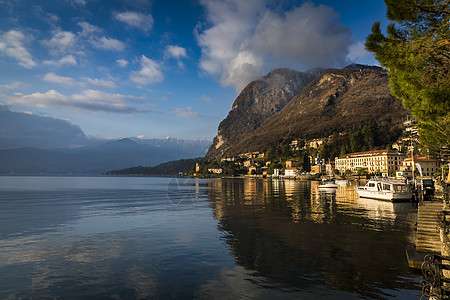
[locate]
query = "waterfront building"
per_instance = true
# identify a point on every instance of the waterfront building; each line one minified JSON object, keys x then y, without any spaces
{"x":276,"y":172}
{"x":290,"y":172}
{"x":428,"y":167}
{"x":290,"y":163}
{"x":215,"y":171}
{"x":329,"y":167}
{"x":249,"y":163}
{"x":384,"y":161}
{"x":317,"y":169}
{"x":253,"y":170}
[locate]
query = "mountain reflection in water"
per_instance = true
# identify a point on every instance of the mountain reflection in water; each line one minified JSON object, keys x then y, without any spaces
{"x":172,"y":238}
{"x":298,"y":237}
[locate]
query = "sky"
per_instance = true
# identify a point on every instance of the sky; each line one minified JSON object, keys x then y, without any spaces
{"x":157,"y":68}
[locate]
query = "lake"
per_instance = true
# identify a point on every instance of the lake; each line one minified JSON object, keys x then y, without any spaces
{"x":183,"y":238}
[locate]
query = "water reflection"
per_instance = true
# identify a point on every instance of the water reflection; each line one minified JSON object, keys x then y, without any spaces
{"x":297,"y":236}
{"x":185,"y":238}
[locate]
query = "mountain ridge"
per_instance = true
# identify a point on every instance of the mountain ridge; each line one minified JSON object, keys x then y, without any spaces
{"x":259,"y":100}
{"x":333,"y":102}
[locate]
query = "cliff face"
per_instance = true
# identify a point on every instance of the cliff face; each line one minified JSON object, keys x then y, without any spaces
{"x":333,"y":102}
{"x":258,"y":101}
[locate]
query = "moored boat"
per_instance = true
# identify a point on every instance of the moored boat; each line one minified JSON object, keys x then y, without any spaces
{"x":327,"y":185}
{"x":388,"y":190}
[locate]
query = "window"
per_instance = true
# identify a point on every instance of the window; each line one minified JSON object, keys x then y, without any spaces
{"x":400,"y":187}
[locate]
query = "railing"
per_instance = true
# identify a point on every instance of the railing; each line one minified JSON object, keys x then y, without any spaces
{"x":435,"y":285}
{"x":444,"y":220}
{"x":446,"y":194}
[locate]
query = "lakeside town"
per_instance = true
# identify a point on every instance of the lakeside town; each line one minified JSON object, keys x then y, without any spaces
{"x":405,"y":159}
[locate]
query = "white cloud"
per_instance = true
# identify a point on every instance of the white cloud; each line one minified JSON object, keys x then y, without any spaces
{"x":122,"y":63}
{"x":105,"y":43}
{"x":99,"y":82}
{"x":88,"y":29}
{"x":52,"y":77}
{"x":149,"y":73}
{"x":93,"y":35}
{"x":66,"y":60}
{"x":39,"y":99}
{"x":246,"y":39}
{"x":310,"y":35}
{"x":175,"y":51}
{"x":358,"y":54}
{"x":89,"y":100}
{"x":184,"y":112}
{"x":135,"y":19}
{"x":61,"y":42}
{"x":11,"y":86}
{"x":68,"y":42}
{"x":12,"y":43}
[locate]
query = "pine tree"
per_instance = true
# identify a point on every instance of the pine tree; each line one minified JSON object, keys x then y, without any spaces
{"x":416,"y":52}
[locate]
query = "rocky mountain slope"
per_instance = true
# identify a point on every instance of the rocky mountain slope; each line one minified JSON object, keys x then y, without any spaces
{"x":258,"y":101}
{"x":333,"y":102}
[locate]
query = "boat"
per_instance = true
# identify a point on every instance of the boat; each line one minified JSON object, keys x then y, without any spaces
{"x":327,"y":185}
{"x":389,"y":190}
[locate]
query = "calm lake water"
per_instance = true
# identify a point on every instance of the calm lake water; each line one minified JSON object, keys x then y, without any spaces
{"x":169,"y":238}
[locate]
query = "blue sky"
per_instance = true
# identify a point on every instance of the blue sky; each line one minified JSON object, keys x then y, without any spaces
{"x":156,"y":68}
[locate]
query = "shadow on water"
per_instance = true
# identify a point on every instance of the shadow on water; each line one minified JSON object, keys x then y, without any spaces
{"x":296,"y":236}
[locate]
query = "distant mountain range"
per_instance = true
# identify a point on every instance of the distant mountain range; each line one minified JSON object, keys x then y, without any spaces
{"x":101,"y":158}
{"x":319,"y":104}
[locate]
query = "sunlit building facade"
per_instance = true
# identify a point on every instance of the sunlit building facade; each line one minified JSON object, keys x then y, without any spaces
{"x":384,"y":161}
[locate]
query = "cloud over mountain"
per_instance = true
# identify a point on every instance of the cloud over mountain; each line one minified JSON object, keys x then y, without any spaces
{"x":19,"y":129}
{"x":244,"y":39}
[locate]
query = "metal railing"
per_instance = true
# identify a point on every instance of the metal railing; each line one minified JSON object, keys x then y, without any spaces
{"x":435,"y":285}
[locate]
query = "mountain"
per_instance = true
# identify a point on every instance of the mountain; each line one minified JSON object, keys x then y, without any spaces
{"x":258,"y":101}
{"x":335,"y":101}
{"x":193,"y":147}
{"x":98,"y":159}
{"x":171,"y":168}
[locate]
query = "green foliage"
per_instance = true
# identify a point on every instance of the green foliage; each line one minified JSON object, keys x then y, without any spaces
{"x":362,"y":172}
{"x":362,"y":137}
{"x":416,"y":51}
{"x":306,"y":163}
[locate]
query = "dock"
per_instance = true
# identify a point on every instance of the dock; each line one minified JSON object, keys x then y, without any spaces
{"x":428,"y":237}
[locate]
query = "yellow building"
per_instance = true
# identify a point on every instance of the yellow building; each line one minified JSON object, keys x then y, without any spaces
{"x":384,"y":161}
{"x":428,"y":166}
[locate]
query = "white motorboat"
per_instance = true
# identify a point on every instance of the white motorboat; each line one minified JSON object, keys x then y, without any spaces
{"x":388,"y":190}
{"x":327,"y":185}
